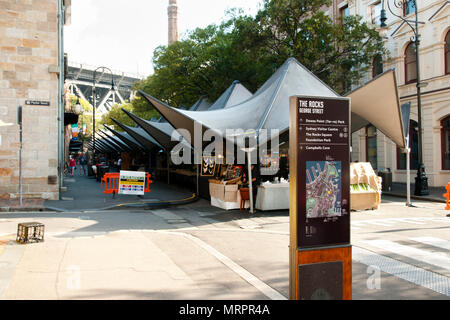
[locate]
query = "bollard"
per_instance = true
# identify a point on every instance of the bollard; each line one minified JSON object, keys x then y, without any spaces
{"x":447,"y":196}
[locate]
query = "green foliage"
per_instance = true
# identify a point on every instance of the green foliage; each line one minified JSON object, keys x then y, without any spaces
{"x":250,"y":49}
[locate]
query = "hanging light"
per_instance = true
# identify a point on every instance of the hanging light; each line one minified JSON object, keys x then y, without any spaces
{"x":77,"y":108}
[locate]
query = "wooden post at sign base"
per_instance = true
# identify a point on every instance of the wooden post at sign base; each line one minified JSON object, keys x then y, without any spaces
{"x":320,"y":254}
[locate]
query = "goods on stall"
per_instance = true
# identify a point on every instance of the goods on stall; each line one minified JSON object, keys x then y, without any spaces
{"x":365,"y":187}
{"x":225,"y":194}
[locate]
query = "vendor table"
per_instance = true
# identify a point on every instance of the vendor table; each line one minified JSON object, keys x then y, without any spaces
{"x":273,"y":196}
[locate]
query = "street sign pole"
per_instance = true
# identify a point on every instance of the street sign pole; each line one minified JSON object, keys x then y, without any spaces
{"x":320,"y":258}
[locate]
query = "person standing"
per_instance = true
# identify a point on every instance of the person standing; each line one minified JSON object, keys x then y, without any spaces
{"x":83,"y":165}
{"x":72,"y":165}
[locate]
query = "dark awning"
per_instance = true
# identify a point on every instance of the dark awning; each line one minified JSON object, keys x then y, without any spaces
{"x":140,"y":135}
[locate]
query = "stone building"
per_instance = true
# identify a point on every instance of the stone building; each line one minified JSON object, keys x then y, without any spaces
{"x":369,"y":144}
{"x":30,"y":70}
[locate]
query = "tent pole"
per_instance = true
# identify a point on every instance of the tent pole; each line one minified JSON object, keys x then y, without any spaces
{"x":168,"y":169}
{"x":408,"y":178}
{"x":197,"y":178}
{"x":250,"y":184}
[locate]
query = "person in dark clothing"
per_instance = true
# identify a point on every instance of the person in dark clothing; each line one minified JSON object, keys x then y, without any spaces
{"x":256,"y":179}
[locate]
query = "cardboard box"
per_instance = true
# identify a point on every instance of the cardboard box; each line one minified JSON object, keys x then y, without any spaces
{"x":227,"y":193}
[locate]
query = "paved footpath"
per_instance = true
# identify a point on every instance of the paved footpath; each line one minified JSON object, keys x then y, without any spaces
{"x":199,"y":252}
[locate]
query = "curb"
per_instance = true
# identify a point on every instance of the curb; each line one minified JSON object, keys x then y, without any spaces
{"x":400,"y":195}
{"x":16,"y":209}
{"x":142,"y":205}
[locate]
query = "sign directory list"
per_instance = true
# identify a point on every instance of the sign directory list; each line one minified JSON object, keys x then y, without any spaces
{"x":323,"y":181}
{"x":132,"y":182}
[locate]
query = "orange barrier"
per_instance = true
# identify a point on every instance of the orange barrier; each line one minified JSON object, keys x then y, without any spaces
{"x":112,"y":179}
{"x":447,"y":196}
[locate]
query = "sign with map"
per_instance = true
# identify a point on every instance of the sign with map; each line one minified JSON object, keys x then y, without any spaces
{"x":323,"y":172}
{"x":323,"y":189}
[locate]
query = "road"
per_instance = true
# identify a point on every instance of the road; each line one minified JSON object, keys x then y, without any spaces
{"x":199,"y":252}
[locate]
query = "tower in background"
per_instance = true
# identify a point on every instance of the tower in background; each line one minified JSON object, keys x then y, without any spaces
{"x":172,"y":11}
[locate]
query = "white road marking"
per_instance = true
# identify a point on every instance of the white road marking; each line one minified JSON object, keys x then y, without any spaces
{"x":435,"y":242}
{"x":407,"y":220}
{"x":417,"y":254}
{"x":243,"y":273}
{"x":379,"y":223}
{"x":418,"y":276}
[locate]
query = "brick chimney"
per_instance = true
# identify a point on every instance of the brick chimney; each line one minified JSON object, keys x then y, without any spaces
{"x":172,"y":11}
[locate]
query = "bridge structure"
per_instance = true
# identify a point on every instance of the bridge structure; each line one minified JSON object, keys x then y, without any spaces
{"x":79,"y":81}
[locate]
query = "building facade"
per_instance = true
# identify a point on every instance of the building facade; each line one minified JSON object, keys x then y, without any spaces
{"x":30,"y":71}
{"x":369,"y":144}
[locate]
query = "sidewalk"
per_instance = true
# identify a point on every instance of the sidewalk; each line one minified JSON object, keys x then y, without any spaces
{"x":85,"y":193}
{"x":399,"y":190}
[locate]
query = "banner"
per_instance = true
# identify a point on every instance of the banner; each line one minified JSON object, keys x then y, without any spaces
{"x":75,"y":130}
{"x":132,"y":182}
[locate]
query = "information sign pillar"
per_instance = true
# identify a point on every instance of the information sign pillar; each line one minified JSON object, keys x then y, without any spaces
{"x":319,"y":162}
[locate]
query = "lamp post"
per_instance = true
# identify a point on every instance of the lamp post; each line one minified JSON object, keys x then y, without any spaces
{"x":421,"y":183}
{"x":94,"y":102}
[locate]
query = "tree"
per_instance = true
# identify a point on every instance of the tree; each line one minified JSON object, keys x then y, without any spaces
{"x":117,"y":113}
{"x":250,"y":49}
{"x":338,"y":53}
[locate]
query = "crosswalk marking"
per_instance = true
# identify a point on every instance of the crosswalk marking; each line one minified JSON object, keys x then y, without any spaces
{"x":408,"y":220}
{"x":377,"y":223}
{"x":429,"y":257}
{"x":421,"y":277}
{"x":435,"y":242}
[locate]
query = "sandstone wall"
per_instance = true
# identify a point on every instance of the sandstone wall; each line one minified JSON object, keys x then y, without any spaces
{"x":28,"y":59}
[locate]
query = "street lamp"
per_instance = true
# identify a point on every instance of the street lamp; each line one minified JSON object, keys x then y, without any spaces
{"x":421,"y":185}
{"x":94,"y":102}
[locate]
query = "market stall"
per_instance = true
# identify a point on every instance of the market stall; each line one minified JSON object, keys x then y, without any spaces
{"x":365,"y":187}
{"x":273,"y":196}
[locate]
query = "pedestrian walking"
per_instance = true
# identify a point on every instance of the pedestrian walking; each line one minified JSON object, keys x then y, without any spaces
{"x":72,"y":165}
{"x":83,"y":165}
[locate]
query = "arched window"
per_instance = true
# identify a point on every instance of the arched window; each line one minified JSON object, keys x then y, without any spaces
{"x":447,"y":53}
{"x":377,"y":66}
{"x":445,"y":142}
{"x":410,"y":63}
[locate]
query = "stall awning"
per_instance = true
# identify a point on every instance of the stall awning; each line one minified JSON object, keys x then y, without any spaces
{"x":127,"y":139}
{"x":141,"y":136}
{"x":377,"y":103}
{"x":268,"y":108}
{"x":165,"y":133}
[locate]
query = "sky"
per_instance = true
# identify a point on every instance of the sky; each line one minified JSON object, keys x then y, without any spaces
{"x":122,"y":34}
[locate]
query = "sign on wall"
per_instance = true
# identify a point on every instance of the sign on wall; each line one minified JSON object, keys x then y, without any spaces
{"x":323,"y":171}
{"x":132,"y":182}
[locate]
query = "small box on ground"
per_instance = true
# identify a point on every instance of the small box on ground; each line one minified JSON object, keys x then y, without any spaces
{"x":30,"y":232}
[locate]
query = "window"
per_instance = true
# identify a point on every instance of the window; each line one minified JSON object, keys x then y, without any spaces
{"x":445,"y":140}
{"x":447,"y":53}
{"x":408,"y":7}
{"x":414,"y":145}
{"x":410,"y":63}
{"x":371,"y":146}
{"x":344,"y":12}
{"x":377,"y":65}
{"x":375,"y":12}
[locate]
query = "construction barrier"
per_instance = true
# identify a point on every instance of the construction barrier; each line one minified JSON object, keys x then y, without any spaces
{"x":447,"y":196}
{"x":112,"y":179}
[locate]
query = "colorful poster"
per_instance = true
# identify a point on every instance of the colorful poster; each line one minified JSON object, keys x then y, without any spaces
{"x":132,"y":182}
{"x":75,"y":130}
